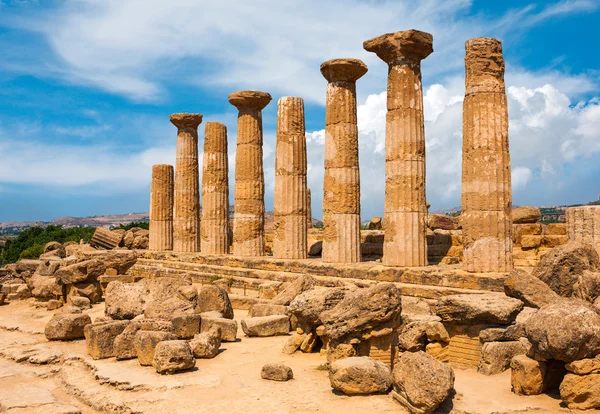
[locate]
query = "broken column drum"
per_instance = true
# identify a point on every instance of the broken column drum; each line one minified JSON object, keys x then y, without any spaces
{"x":214,"y":227}
{"x":486,"y":180}
{"x":290,"y":200}
{"x":405,"y":208}
{"x":341,"y":184}
{"x":186,"y":220}
{"x":161,"y":208}
{"x":249,"y":205}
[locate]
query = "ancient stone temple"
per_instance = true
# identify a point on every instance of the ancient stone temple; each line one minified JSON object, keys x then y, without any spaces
{"x":308,"y":208}
{"x":341,"y":184}
{"x":583,"y":225}
{"x":214,"y":227}
{"x":405,"y":207}
{"x":249,"y":209}
{"x":186,"y":220}
{"x":161,"y":208}
{"x":289,"y":240}
{"x":486,"y":180}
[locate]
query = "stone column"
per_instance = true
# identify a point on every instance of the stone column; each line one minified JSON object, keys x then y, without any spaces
{"x":249,"y":209}
{"x":214,"y":227}
{"x":186,"y":222}
{"x":161,"y":208}
{"x":308,"y":209}
{"x":583,"y":225}
{"x":405,"y":209}
{"x":341,"y":185}
{"x":486,"y":181}
{"x":289,"y":240}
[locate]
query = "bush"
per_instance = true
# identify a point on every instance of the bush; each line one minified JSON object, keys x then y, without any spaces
{"x":141,"y":224}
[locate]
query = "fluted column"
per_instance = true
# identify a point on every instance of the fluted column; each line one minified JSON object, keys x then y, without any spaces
{"x":486,"y":180}
{"x":214,"y":227}
{"x":308,"y":209}
{"x":341,"y":185}
{"x":249,"y":209}
{"x":161,"y":208}
{"x":289,"y":240}
{"x":583,"y":225}
{"x":405,"y":209}
{"x":186,"y":222}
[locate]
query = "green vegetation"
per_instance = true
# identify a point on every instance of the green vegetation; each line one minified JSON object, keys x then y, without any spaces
{"x":30,"y":243}
{"x":322,"y":367}
{"x":141,"y":224}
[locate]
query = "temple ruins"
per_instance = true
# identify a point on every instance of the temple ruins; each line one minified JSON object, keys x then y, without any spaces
{"x":420,"y":312}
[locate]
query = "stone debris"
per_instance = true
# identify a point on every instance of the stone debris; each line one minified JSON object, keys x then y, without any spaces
{"x":527,"y":375}
{"x":276,"y":372}
{"x":488,"y":308}
{"x":421,"y":383}
{"x":496,"y":356}
{"x":360,"y":376}
{"x":206,"y":344}
{"x":214,"y":298}
{"x":185,"y":326}
{"x":266,"y":325}
{"x":100,"y":338}
{"x":145,"y":343}
{"x":66,"y":326}
{"x":124,"y":347}
{"x":106,"y":239}
{"x":228,"y":327}
{"x":526,"y":215}
{"x":529,"y":289}
{"x":173,"y":356}
{"x":288,"y":294}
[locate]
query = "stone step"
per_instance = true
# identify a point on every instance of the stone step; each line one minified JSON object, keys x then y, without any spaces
{"x":438,"y":275}
{"x":253,"y":277}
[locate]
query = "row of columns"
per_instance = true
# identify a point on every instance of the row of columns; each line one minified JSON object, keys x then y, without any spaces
{"x":486,"y":191}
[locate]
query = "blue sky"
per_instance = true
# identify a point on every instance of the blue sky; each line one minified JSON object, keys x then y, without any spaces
{"x":87,"y":86}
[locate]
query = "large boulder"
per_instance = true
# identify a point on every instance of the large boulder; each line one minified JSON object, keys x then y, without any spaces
{"x":527,"y":375}
{"x":214,"y":298}
{"x":66,"y":326}
{"x":85,"y":271}
{"x":567,"y":331}
{"x":360,"y":375}
{"x":526,"y":214}
{"x":207,"y":344}
{"x":100,"y":338}
{"x":363,"y":311}
{"x":496,"y":356}
{"x":307,"y":306}
{"x":228,"y":327}
{"x":266,"y":325}
{"x":473,"y":309}
{"x":55,"y":249}
{"x":128,"y":300}
{"x":562,"y":267}
{"x":173,"y":356}
{"x":529,"y":289}
{"x":421,"y":383}
{"x":168,"y":309}
{"x":276,"y":372}
{"x":581,"y":392}
{"x":301,"y":284}
{"x":266,"y":309}
{"x":44,"y":287}
{"x":145,"y":343}
{"x":124,"y":343}
{"x":186,"y":325}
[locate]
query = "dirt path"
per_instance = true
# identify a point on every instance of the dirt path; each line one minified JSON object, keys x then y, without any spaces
{"x":37,"y":376}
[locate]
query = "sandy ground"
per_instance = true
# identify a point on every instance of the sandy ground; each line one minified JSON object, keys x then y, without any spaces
{"x":71,"y":382}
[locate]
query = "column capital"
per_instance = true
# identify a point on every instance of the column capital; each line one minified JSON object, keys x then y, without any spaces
{"x":409,"y":45}
{"x":343,"y":70}
{"x":185,"y":120}
{"x":484,"y":64}
{"x":250,"y":99}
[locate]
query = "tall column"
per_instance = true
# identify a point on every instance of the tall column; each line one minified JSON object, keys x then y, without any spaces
{"x":405,"y":208}
{"x":486,"y":181}
{"x":214,"y":227}
{"x":186,"y":222}
{"x":308,"y":209}
{"x":583,"y":225}
{"x":161,"y":208}
{"x":249,"y":193}
{"x":341,"y":185}
{"x":289,"y":241}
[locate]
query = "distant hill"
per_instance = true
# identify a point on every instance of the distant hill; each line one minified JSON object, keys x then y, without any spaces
{"x":15,"y":227}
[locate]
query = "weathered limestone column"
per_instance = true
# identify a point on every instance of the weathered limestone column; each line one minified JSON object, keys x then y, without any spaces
{"x":249,"y":209}
{"x":186,"y":222}
{"x":405,"y":208}
{"x":583,"y":225}
{"x":308,"y":209}
{"x":341,"y":185}
{"x":486,"y":181}
{"x":161,"y":208}
{"x":214,"y":227}
{"x":289,"y":241}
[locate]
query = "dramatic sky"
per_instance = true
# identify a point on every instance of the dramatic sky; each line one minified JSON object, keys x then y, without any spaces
{"x":87,"y":86}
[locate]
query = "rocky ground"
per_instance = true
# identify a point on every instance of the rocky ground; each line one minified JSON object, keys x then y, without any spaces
{"x":37,"y":376}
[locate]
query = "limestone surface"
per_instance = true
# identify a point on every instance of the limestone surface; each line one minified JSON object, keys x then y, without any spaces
{"x":486,"y":178}
{"x":173,"y":356}
{"x":583,"y":225}
{"x":276,"y":372}
{"x":161,"y":208}
{"x":100,"y":338}
{"x":213,"y":298}
{"x":527,"y":375}
{"x":360,"y":376}
{"x":469,"y":309}
{"x":207,"y":344}
{"x":266,"y":325}
{"x":66,"y":326}
{"x":341,"y":185}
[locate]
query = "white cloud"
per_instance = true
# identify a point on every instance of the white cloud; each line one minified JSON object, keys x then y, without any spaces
{"x":134,"y":47}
